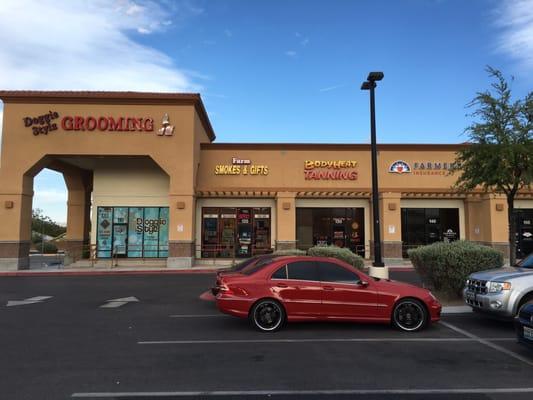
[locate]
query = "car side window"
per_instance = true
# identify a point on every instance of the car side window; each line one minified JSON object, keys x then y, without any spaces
{"x":330,"y":272}
{"x":303,"y":271}
{"x":281,"y":273}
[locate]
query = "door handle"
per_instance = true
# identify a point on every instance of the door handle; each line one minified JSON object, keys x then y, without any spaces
{"x":328,"y":287}
{"x":282,"y":285}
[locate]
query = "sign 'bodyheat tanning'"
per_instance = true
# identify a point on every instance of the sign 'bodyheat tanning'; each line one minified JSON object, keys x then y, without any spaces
{"x":330,"y":170}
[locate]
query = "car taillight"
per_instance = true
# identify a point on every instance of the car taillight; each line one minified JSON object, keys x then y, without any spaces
{"x":237,"y":291}
{"x":223,"y":288}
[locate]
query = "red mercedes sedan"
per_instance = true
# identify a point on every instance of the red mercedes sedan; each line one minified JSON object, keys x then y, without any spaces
{"x":306,"y":288}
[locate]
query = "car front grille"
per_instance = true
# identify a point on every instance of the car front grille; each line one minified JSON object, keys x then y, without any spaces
{"x":477,"y":286}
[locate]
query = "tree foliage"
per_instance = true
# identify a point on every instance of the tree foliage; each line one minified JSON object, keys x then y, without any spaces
{"x":41,"y":223}
{"x":499,"y":157}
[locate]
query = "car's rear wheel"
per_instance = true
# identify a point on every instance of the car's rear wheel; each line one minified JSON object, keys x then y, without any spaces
{"x":267,"y":315}
{"x":409,"y":315}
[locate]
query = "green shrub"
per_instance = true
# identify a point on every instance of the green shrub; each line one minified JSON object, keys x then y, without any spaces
{"x":290,"y":252}
{"x":343,"y":254}
{"x":47,"y":248}
{"x":445,"y":266}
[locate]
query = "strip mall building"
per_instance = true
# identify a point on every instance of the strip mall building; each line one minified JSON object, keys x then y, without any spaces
{"x":145,"y":180}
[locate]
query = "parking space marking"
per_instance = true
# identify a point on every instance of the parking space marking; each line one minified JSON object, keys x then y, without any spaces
{"x":197,"y":315}
{"x":488,"y":343}
{"x":326,"y":392}
{"x":332,"y":340}
{"x":31,"y":300}
{"x":114,"y":303}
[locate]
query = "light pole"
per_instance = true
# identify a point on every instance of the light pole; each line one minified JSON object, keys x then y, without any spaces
{"x":379,"y":270}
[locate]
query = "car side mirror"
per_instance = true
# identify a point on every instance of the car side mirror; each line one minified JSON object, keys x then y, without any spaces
{"x":363,"y":283}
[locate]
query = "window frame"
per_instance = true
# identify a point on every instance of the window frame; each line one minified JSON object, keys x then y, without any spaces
{"x":358,"y":283}
{"x":277,"y":269}
{"x":304,"y":280}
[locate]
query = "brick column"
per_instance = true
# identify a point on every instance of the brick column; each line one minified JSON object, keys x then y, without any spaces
{"x":286,"y":221}
{"x":79,"y":187}
{"x":494,"y":228}
{"x":181,"y":231}
{"x":15,"y":214}
{"x":391,"y":225}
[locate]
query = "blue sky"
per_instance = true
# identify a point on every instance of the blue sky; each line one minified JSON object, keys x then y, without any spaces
{"x":275,"y":71}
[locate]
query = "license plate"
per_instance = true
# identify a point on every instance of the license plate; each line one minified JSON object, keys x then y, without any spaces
{"x":528,"y":333}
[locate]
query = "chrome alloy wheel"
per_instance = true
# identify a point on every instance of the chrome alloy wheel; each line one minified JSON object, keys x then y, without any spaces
{"x":409,"y":315}
{"x":267,"y":315}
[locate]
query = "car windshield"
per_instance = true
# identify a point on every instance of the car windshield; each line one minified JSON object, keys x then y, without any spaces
{"x":526,"y":262}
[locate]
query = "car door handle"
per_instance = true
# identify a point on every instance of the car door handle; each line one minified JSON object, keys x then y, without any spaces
{"x":282,"y":285}
{"x":328,"y":287}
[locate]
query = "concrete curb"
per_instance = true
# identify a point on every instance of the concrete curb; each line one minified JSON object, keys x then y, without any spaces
{"x":108,"y":272}
{"x":456,"y":310}
{"x":134,"y":271}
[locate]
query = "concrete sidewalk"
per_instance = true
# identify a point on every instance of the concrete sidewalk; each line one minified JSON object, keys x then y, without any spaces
{"x":140,"y":269}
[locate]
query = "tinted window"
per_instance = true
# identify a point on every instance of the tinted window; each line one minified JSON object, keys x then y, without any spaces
{"x":243,"y":264}
{"x":253,"y":268}
{"x":330,"y":272}
{"x":280,"y":273}
{"x":303,"y":270}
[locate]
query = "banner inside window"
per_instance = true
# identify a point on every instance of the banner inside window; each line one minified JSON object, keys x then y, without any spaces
{"x":133,"y":232}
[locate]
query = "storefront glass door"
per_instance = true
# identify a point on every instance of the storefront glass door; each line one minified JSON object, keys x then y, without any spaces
{"x":341,"y":227}
{"x":235,"y":232}
{"x":524,"y":232}
{"x":132,"y":232}
{"x":422,"y":226}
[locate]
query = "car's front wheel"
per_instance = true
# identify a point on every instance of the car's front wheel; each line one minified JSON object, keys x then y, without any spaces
{"x":409,"y":315}
{"x":267,"y":315}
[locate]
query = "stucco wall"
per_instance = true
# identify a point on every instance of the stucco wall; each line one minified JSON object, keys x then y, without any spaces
{"x":127,"y":183}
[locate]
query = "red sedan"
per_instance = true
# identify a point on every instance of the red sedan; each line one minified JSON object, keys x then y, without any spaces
{"x":321,"y":289}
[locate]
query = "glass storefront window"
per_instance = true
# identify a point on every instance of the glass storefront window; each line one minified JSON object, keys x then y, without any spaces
{"x":524,"y":231}
{"x":132,"y":232}
{"x":135,"y":232}
{"x":104,"y":232}
{"x":422,"y":226}
{"x":341,"y":227}
{"x":235,"y":232}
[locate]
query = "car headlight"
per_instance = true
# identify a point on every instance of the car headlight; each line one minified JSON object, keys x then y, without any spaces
{"x":497,"y":287}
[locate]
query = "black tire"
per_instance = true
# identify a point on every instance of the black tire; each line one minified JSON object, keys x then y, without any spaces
{"x":527,"y":299}
{"x":409,"y":315}
{"x":267,"y":315}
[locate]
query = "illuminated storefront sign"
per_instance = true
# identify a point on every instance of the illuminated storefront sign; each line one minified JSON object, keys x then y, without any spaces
{"x":399,"y":167}
{"x":330,"y":170}
{"x":421,"y":168}
{"x":111,"y":124}
{"x":241,"y":167}
{"x":43,"y":124}
{"x":432,"y":168}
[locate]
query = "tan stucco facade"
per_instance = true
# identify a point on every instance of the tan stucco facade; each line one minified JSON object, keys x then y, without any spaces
{"x":145,"y":165}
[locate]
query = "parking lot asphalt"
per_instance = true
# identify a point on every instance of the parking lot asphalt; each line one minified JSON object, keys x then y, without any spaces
{"x":59,"y":343}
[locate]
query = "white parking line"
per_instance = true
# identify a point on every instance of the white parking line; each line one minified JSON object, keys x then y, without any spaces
{"x":197,"y":315}
{"x":456,"y":310}
{"x":487,"y":342}
{"x":303,"y":392}
{"x":332,"y":340}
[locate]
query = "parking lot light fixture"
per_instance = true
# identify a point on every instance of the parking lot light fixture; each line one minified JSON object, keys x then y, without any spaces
{"x":378,"y":268}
